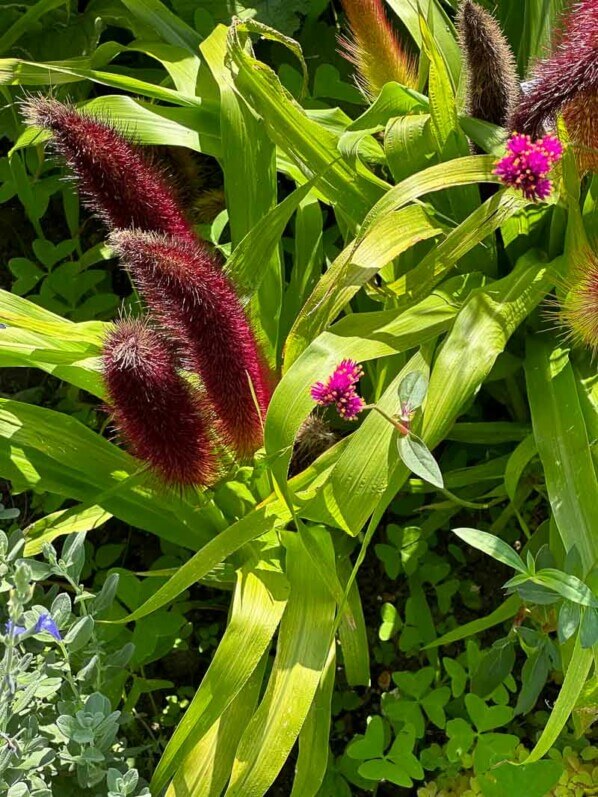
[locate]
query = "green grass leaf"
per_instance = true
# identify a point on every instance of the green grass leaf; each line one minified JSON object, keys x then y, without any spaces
{"x":493,"y":546}
{"x":301,"y":658}
{"x":258,"y":603}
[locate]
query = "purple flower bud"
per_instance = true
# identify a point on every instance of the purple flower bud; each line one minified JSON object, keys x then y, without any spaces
{"x":46,"y":623}
{"x":15,"y":630}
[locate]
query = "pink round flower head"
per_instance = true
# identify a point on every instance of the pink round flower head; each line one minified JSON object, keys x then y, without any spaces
{"x":552,"y":148}
{"x":527,"y":164}
{"x":339,"y":389}
{"x":518,"y":144}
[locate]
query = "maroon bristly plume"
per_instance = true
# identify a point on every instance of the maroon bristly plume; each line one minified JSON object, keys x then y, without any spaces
{"x":197,"y":305}
{"x":571,"y":71}
{"x":159,"y":414}
{"x":116,"y":180}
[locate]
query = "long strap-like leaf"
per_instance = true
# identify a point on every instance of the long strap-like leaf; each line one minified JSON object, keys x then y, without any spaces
{"x":302,"y":652}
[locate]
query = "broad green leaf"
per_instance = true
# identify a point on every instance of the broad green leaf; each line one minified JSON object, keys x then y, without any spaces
{"x":46,"y":450}
{"x":361,"y":337}
{"x":258,"y":603}
{"x":533,"y":679}
{"x":312,"y":760}
{"x":417,"y":457}
{"x":479,"y":335}
{"x":443,"y":109}
{"x":518,"y":461}
{"x":529,"y":780}
{"x":575,"y":678}
{"x":372,"y":744}
{"x":412,"y":390}
{"x":484,"y":717}
{"x":570,"y":587}
{"x":302,"y":652}
{"x":488,"y":433}
{"x":353,"y":637}
{"x":562,"y":439}
{"x":394,"y":100}
{"x":65,"y":521}
{"x":16,"y":72}
{"x":247,"y":264}
{"x":588,"y":631}
{"x":493,"y":546}
{"x":147,"y":123}
{"x":167,"y":25}
{"x":307,"y":261}
{"x":206,"y":770}
{"x":64,"y":357}
{"x":15,"y":311}
{"x":408,"y":145}
{"x":473,"y":231}
{"x":568,"y":623}
{"x":353,"y":268}
{"x":492,"y":670}
{"x":458,"y":172}
{"x":311,"y":147}
{"x":26,"y":21}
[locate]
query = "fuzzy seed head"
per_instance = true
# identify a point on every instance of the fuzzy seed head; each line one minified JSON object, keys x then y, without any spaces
{"x":579,"y":311}
{"x":313,"y":438}
{"x":197,"y":306}
{"x":116,"y":180}
{"x":492,"y":81}
{"x":581,"y":119}
{"x":158,"y":413}
{"x":571,"y":71}
{"x":375,"y":49}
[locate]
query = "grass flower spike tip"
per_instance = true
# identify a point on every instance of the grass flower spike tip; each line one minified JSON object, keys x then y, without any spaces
{"x":566,"y":81}
{"x":116,"y":180}
{"x":527,"y":164}
{"x":197,"y":306}
{"x":157,"y":412}
{"x":579,"y":310}
{"x":492,"y":80}
{"x":339,"y":390}
{"x":375,"y":49}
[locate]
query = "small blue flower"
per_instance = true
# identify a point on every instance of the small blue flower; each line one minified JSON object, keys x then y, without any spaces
{"x":46,"y":623}
{"x":15,"y":630}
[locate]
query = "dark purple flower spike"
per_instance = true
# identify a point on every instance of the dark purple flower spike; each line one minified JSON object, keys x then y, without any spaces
{"x":115,"y":178}
{"x":197,"y":306}
{"x":159,"y":414}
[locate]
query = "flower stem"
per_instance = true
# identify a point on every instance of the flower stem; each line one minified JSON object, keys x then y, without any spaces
{"x":400,"y":427}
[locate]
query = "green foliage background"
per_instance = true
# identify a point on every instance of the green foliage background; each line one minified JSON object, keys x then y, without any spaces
{"x":350,"y":231}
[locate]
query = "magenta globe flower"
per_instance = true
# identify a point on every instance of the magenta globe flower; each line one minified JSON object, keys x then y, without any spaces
{"x":339,"y":389}
{"x":527,"y":164}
